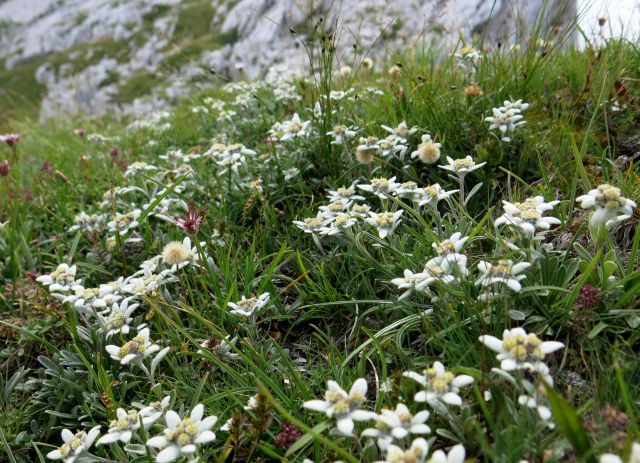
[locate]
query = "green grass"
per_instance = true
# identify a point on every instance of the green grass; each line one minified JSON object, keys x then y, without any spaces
{"x":20,"y":92}
{"x":334,"y":310}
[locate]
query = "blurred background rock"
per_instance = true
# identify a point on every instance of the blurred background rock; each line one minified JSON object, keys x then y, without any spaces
{"x":129,"y":56}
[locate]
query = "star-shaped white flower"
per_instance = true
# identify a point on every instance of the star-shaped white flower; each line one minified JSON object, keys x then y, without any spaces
{"x":519,"y":350}
{"x":440,"y":385}
{"x":249,"y":307}
{"x":396,"y":425}
{"x":528,"y":215}
{"x":502,"y":273}
{"x":61,"y":279}
{"x":124,"y":427}
{"x":342,"y":406}
{"x":182,"y":436}
{"x":76,"y":446}
{"x":385,"y":222}
{"x":610,"y":206}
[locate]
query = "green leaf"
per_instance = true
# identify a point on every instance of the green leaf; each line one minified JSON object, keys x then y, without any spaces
{"x":570,"y":425}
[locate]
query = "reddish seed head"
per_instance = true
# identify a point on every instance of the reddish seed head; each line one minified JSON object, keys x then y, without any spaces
{"x":289,"y":435}
{"x":46,"y":167}
{"x":588,"y":297}
{"x":80,"y":132}
{"x":10,"y":139}
{"x":192,"y":219}
{"x":114,"y":152}
{"x":4,"y":168}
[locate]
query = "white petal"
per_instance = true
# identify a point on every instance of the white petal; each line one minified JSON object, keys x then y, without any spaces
{"x":172,"y":419}
{"x":108,"y":438}
{"x":317,"y":405}
{"x":168,"y":454}
{"x":157,"y":441}
{"x":205,"y":437}
{"x":452,"y":399}
{"x":345,"y":426}
{"x":492,"y":343}
{"x":67,"y":435}
{"x":462,"y":380}
{"x":551,"y":346}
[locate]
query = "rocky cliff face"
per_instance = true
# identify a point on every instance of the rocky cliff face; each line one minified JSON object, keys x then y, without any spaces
{"x":96,"y":56}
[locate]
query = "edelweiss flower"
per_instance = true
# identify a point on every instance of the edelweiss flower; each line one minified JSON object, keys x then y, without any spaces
{"x":441,"y":385}
{"x":367,"y":148}
{"x":506,"y":120}
{"x":385,"y":222}
{"x":456,"y":454}
{"x":435,"y":270}
{"x":154,"y":410}
{"x":610,"y":206}
{"x":340,"y":134}
{"x":517,"y":105}
{"x":461,"y":167}
{"x":75,"y":447}
{"x":334,"y":208}
{"x":339,"y":223}
{"x":427,"y":151}
{"x":249,"y":307}
{"x":290,"y":130}
{"x":122,"y":223}
{"x":61,"y":279}
{"x":503,"y":273}
{"x":518,"y":350}
{"x":137,"y":350}
{"x":124,"y":427}
{"x":345,"y":194}
{"x":408,"y":282}
{"x":433,"y":194}
{"x":182,"y":436}
{"x":360,"y":211}
{"x":137,"y":167}
{"x":117,"y":319}
{"x":410,"y":190}
{"x":87,"y":223}
{"x":401,"y":132}
{"x":381,"y":187}
{"x":417,"y":453}
{"x":449,"y":251}
{"x":528,"y":215}
{"x":177,"y":255}
{"x":468,"y":58}
{"x":147,"y":283}
{"x":88,"y":299}
{"x":397,"y":424}
{"x":392,"y":145}
{"x":311,"y":224}
{"x":222,"y":348}
{"x":342,"y":406}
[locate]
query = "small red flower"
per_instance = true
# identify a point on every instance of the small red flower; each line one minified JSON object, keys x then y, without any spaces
{"x":10,"y":139}
{"x":289,"y":435}
{"x":192,"y":219}
{"x":46,"y":167}
{"x":4,"y":168}
{"x":588,"y":297}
